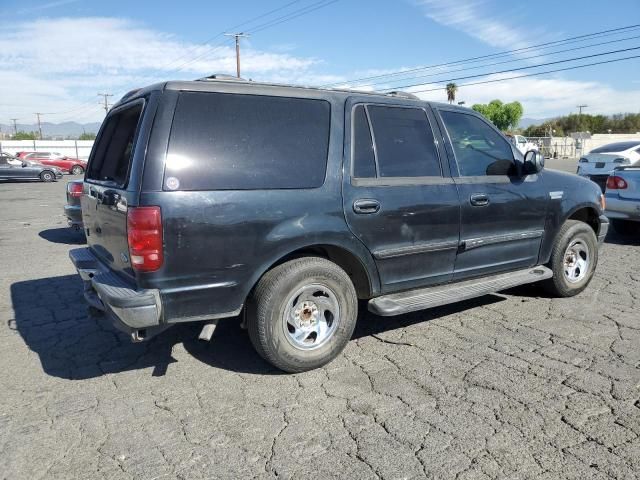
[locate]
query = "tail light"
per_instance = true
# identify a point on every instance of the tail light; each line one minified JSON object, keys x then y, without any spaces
{"x":74,"y":189}
{"x":144,"y":235}
{"x":615,"y":182}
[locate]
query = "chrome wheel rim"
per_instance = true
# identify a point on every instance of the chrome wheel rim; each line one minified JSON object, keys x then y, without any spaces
{"x":311,"y":316}
{"x":47,"y":176}
{"x":576,"y":261}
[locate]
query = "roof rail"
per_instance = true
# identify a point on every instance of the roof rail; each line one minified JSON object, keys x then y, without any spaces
{"x":401,"y":94}
{"x":220,"y":76}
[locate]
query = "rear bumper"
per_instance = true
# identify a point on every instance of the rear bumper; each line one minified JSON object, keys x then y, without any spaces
{"x":132,"y":310}
{"x":604,"y":228}
{"x":74,"y":216}
{"x":622,"y":208}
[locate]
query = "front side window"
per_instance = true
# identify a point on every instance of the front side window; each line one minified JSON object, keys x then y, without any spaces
{"x":479,"y":149}
{"x":222,"y":141}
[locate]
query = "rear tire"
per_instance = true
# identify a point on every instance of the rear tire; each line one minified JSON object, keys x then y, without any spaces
{"x":77,"y":170}
{"x":573,"y":259}
{"x":302,"y":314}
{"x":47,"y":176}
{"x":625,"y":228}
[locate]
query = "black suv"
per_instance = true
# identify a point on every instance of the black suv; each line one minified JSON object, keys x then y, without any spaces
{"x":210,"y":199}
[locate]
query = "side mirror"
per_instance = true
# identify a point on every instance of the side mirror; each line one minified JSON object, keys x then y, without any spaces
{"x":533,"y":162}
{"x":24,"y":164}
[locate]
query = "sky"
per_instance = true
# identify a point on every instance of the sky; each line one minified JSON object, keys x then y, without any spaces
{"x":57,"y":55}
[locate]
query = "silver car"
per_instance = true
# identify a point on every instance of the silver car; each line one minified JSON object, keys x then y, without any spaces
{"x":623,"y":199}
{"x":600,"y":162}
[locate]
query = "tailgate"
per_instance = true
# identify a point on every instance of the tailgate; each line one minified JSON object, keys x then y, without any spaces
{"x":107,"y":192}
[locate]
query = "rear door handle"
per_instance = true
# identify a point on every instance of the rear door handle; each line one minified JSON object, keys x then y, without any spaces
{"x":479,"y":199}
{"x":366,"y":206}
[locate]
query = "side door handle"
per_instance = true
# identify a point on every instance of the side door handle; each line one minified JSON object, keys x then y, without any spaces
{"x":366,"y":206}
{"x":479,"y":199}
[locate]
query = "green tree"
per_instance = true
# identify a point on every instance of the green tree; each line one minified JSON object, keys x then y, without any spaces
{"x":451,"y":90}
{"x":502,"y":115}
{"x":87,"y":136}
{"x":618,"y":123}
{"x":20,"y":135}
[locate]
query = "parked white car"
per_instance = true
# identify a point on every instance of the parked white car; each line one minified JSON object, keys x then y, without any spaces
{"x":522,"y":144}
{"x":600,"y":162}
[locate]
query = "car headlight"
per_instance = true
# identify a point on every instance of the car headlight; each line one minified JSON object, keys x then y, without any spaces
{"x":583,"y":160}
{"x":622,"y":161}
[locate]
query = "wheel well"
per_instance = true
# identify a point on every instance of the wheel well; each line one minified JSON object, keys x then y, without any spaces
{"x":589,"y":216}
{"x":341,"y":257}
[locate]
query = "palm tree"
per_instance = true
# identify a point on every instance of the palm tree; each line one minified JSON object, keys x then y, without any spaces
{"x":451,"y":89}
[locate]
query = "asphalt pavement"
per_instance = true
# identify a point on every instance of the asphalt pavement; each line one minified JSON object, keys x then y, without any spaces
{"x":512,"y":385}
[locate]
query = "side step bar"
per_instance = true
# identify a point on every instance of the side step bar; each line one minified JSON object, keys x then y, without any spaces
{"x":423,"y":298}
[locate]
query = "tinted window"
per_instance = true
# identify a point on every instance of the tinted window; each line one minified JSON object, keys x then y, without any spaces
{"x":225,"y":141}
{"x":479,"y":149}
{"x":114,"y":148}
{"x":404,"y":142}
{"x":615,"y":147}
{"x":364,"y":162}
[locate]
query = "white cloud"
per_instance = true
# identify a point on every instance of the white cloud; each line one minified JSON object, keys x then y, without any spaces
{"x":53,"y":65}
{"x":474,"y":18}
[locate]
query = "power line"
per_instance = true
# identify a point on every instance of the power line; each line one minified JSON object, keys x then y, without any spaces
{"x":519,"y":68}
{"x":575,"y":39}
{"x":502,"y":62}
{"x":292,"y":15}
{"x":575,"y":67}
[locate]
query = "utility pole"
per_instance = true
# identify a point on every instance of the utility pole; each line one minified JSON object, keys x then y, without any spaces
{"x":238,"y":36}
{"x":580,"y":107}
{"x":39,"y":124}
{"x":15,"y":126}
{"x":106,"y":101}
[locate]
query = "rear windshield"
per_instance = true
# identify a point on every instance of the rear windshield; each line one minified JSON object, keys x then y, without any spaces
{"x":615,"y":147}
{"x":225,"y":141}
{"x":111,"y":160}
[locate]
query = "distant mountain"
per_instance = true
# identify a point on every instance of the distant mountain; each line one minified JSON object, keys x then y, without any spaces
{"x":57,"y":130}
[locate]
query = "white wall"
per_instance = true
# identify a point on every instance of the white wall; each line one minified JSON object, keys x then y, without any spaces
{"x":69,"y":148}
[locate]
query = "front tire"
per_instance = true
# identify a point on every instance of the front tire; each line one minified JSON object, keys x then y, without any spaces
{"x":573,"y":259}
{"x":77,"y":170}
{"x":302,"y":314}
{"x":47,"y":177}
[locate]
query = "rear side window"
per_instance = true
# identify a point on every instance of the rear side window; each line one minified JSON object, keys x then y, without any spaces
{"x":364,"y":161}
{"x":111,"y":160}
{"x":404,"y":142}
{"x":225,"y":141}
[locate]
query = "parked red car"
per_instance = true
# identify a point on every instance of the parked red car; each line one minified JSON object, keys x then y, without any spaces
{"x":74,"y":166}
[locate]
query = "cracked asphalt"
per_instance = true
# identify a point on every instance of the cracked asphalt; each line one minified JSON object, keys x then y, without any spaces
{"x":512,"y":385}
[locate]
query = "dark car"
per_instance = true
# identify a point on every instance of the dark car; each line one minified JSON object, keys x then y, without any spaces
{"x":210,"y":198}
{"x":70,"y":165}
{"x":27,"y":171}
{"x":72,"y":209}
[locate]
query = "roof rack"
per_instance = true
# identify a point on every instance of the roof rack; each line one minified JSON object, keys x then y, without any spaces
{"x":401,"y":94}
{"x":220,"y":76}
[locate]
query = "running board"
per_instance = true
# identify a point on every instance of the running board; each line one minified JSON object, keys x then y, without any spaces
{"x":423,"y":298}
